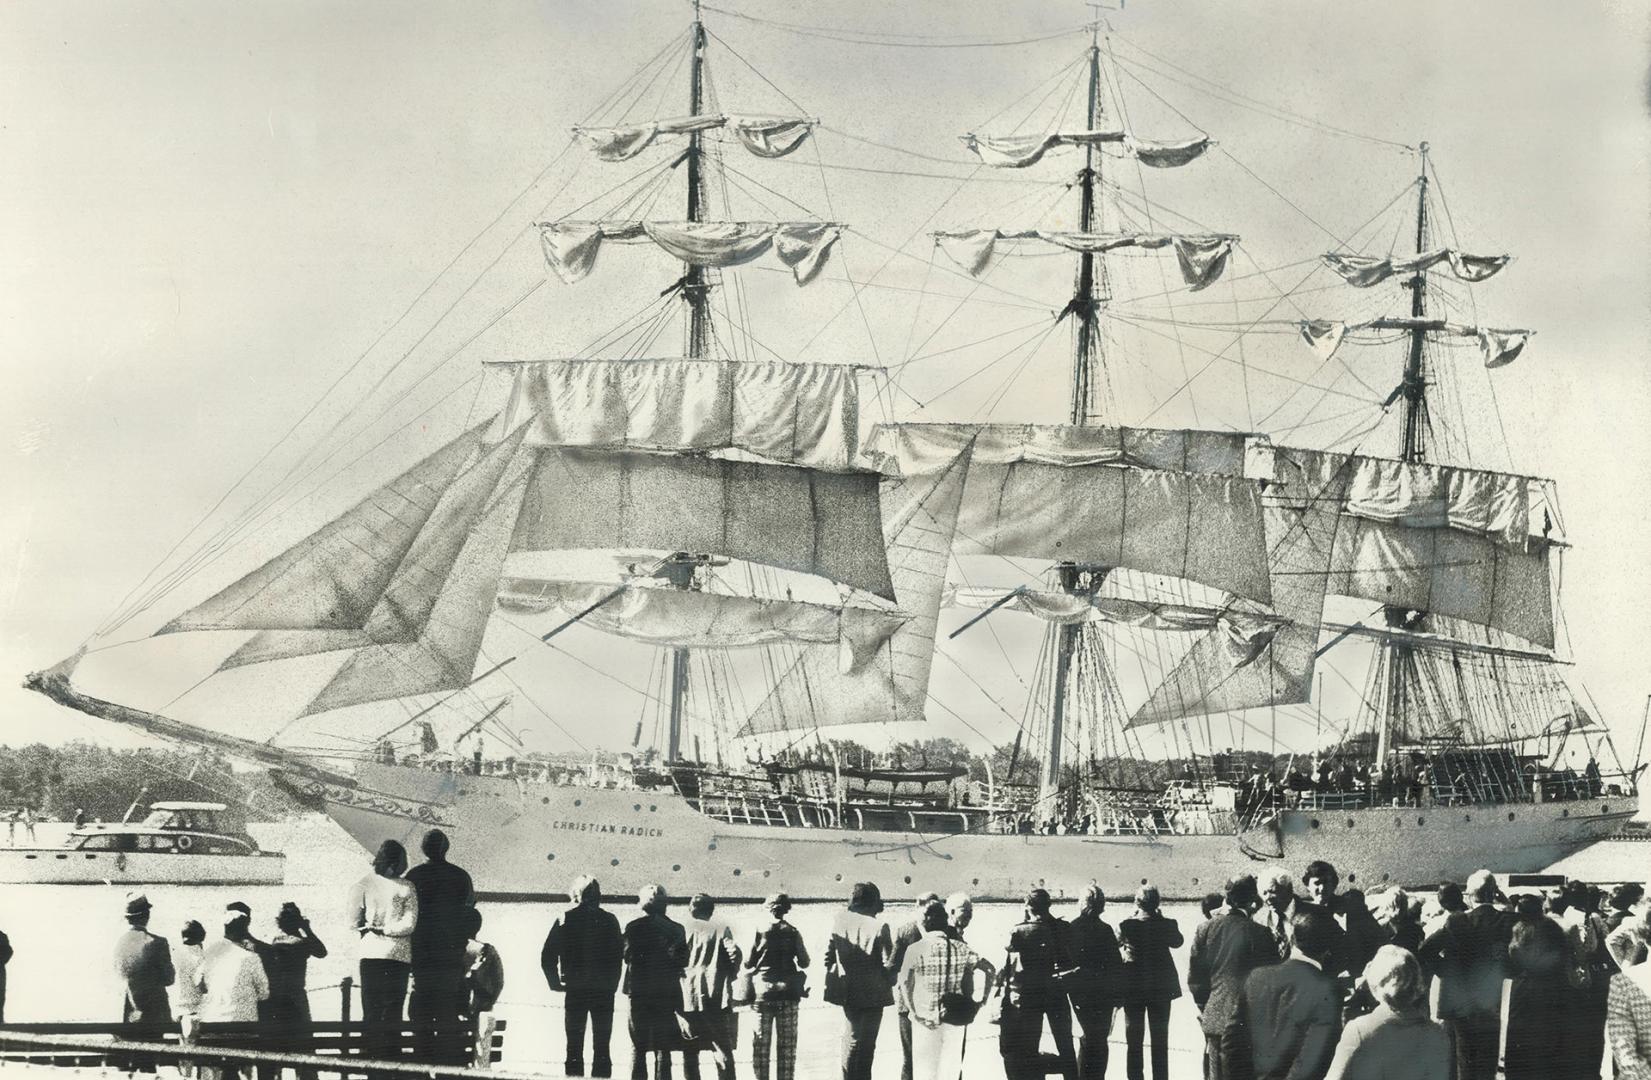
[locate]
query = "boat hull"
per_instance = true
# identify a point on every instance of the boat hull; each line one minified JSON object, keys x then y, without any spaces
{"x":530,"y":840}
{"x":67,"y":866}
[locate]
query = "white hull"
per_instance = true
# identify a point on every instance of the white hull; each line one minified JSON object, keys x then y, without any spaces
{"x":530,"y":840}
{"x":66,"y":866}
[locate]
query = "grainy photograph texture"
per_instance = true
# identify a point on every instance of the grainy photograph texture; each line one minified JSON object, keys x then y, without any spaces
{"x":873,"y":540}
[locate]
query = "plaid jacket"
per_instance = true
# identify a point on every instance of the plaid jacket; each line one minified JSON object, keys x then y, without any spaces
{"x":934,"y":965}
{"x":1628,"y":1028}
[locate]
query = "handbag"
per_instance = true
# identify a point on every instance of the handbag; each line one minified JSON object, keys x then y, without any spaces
{"x":956,"y":1008}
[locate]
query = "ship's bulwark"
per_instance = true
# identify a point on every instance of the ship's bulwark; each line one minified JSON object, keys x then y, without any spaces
{"x":530,"y":840}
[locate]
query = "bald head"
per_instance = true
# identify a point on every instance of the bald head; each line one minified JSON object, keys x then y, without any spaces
{"x":959,"y":910}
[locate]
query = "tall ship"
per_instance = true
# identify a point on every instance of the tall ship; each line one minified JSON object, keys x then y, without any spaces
{"x":1309,"y":629}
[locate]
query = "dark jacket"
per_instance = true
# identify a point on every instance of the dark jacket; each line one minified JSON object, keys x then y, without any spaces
{"x":1469,"y":954}
{"x":777,"y":955}
{"x":144,"y":962}
{"x":1038,"y":948}
{"x":1292,"y":1012}
{"x":859,"y":950}
{"x":1097,"y":976}
{"x":1149,"y":969}
{"x":656,"y":951}
{"x":584,"y":952}
{"x":444,"y":894}
{"x":1225,"y":950}
{"x":1540,"y":1001}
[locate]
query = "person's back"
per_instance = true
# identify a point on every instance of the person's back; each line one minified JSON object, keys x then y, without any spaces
{"x":1224,"y":952}
{"x":144,"y":963}
{"x":445,"y":893}
{"x":1292,"y":1010}
{"x":656,"y":949}
{"x":585,"y":948}
{"x":232,"y":983}
{"x":1039,"y":944}
{"x":1385,"y":1045}
{"x":861,"y":947}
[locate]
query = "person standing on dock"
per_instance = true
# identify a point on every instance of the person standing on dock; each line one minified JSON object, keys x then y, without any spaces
{"x":776,"y":966}
{"x":942,"y":983}
{"x":858,"y":979}
{"x":1291,"y":1012}
{"x":582,"y":959}
{"x":904,"y":937}
{"x":483,"y":983}
{"x":707,"y":990}
{"x":1031,"y":994}
{"x":1094,"y":982}
{"x":286,"y":959}
{"x":144,"y":962}
{"x":186,"y":1000}
{"x":28,"y":822}
{"x":385,"y":910}
{"x":232,"y":980}
{"x":1224,"y":952}
{"x":445,"y":894}
{"x":656,"y":951}
{"x":1151,"y":984}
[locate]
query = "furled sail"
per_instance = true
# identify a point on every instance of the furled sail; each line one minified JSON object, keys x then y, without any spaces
{"x":919,"y":521}
{"x":571,"y":247}
{"x":443,"y":654}
{"x":1019,"y":151}
{"x":333,"y":578}
{"x":798,"y":414}
{"x":1202,"y":258}
{"x":410,"y":596}
{"x":1163,"y":502}
{"x":1363,"y":271}
{"x":1497,"y":347}
{"x":792,"y":518}
{"x":764,"y":136}
{"x":659,"y":615}
{"x":1302,"y":509}
{"x":1068,"y":609}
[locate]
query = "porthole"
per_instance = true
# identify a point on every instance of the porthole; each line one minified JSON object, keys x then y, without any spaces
{"x":1467,"y":817}
{"x":545,"y":800}
{"x":1421,"y":821}
{"x":91,"y":856}
{"x":736,"y":871}
{"x":908,"y":879}
{"x":1604,"y":809}
{"x":1351,"y":823}
{"x":1398,"y":823}
{"x":653,"y":808}
{"x":1564,"y":813}
{"x":712,"y":846}
{"x":676,"y":868}
{"x":578,"y":802}
{"x":766,"y":873}
{"x":1511,"y":815}
{"x":550,"y":856}
{"x":613,"y":862}
{"x":63,"y":856}
{"x":637,"y":807}
{"x":31,"y":856}
{"x":1386,"y":877}
{"x":974,"y":881}
{"x":839,"y":877}
{"x":1314,"y":823}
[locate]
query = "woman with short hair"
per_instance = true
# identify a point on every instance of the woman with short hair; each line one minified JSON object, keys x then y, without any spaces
{"x":775,"y":963}
{"x":1397,"y":1041}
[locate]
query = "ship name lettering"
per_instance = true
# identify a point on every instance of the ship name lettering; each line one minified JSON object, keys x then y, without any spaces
{"x":607,"y":827}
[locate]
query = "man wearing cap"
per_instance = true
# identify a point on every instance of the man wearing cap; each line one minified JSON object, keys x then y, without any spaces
{"x":656,"y":950}
{"x":582,"y":959}
{"x":858,"y":976}
{"x":707,"y":990}
{"x":144,"y":962}
{"x":905,"y":937}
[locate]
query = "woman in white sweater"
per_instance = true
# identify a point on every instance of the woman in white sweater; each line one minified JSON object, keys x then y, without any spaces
{"x":386,"y":910}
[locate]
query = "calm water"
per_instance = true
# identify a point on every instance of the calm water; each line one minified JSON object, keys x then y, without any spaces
{"x":62,"y":936}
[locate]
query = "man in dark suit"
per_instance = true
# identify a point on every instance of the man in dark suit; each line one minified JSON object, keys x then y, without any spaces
{"x":445,"y":894}
{"x":858,"y":976}
{"x":907,"y":935}
{"x":1358,"y":934}
{"x":1292,"y":1011}
{"x":1094,"y":984}
{"x":144,"y":962}
{"x":1038,"y":949}
{"x":1470,"y":954}
{"x":1151,"y":984}
{"x":1224,"y":952}
{"x":656,"y":954}
{"x":583,"y":956}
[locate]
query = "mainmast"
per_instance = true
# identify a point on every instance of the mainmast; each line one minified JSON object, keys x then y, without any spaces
{"x":1401,"y":658}
{"x":1085,"y":307}
{"x":679,"y":570}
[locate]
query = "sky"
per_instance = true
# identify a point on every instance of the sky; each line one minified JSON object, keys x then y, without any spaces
{"x":210,"y":214}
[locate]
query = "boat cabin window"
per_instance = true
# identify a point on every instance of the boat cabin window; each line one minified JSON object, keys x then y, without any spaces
{"x":110,"y":842}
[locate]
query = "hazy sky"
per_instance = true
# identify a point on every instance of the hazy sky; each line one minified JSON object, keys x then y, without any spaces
{"x":208,"y":212}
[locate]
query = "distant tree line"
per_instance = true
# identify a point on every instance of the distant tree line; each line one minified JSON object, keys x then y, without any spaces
{"x":55,"y":781}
